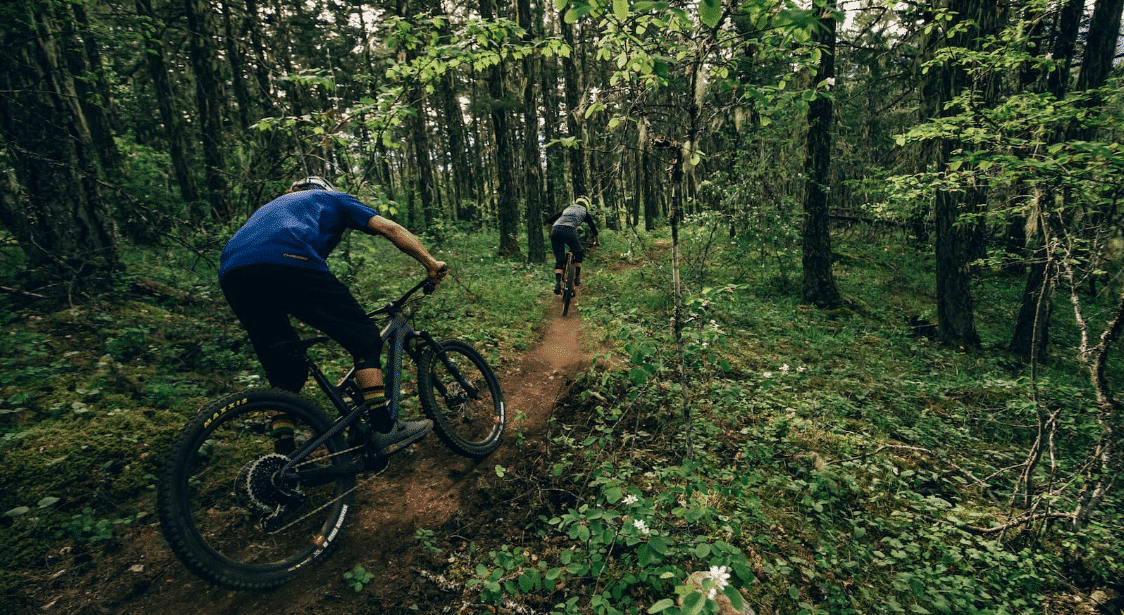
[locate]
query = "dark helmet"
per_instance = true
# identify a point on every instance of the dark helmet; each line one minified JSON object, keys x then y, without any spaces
{"x":312,"y":183}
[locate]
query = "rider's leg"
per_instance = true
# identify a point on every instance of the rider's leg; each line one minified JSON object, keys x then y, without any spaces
{"x":558,"y":281}
{"x":370,"y":383}
{"x":391,"y":434}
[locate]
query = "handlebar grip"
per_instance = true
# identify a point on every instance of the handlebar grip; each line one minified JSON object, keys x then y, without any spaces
{"x":428,"y":288}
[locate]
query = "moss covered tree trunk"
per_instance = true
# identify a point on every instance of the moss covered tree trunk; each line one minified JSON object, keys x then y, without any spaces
{"x":55,"y":207}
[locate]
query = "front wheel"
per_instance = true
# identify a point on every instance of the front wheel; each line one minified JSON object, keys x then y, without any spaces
{"x":227,"y":509}
{"x":460,"y":393}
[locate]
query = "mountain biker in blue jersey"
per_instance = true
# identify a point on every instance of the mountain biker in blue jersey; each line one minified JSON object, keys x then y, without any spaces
{"x":275,"y":267}
{"x":564,"y":234}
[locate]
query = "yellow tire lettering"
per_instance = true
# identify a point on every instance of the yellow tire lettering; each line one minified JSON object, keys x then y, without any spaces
{"x":224,"y":410}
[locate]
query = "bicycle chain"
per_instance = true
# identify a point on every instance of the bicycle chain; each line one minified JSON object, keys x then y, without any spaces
{"x":359,"y":482}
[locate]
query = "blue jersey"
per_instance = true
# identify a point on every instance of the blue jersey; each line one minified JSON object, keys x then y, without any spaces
{"x":298,"y":229}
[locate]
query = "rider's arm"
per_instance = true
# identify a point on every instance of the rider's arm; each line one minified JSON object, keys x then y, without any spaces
{"x":407,"y":242}
{"x":592,"y":224}
{"x":551,"y":219}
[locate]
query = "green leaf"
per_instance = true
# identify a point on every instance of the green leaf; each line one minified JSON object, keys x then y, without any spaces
{"x":560,"y":4}
{"x":576,"y":13}
{"x":661,"y":606}
{"x":693,"y":603}
{"x":734,"y":596}
{"x":528,"y":581}
{"x":710,"y":12}
{"x":620,"y":9}
{"x":500,"y":471}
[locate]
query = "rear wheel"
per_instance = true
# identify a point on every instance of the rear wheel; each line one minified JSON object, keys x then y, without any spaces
{"x":461,"y":395}
{"x":568,"y":290}
{"x":228,"y":511}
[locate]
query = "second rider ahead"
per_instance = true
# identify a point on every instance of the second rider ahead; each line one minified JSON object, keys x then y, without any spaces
{"x":563,"y":235}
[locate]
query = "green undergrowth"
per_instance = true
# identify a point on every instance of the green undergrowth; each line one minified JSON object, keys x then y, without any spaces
{"x":835,"y":462}
{"x":819,"y":461}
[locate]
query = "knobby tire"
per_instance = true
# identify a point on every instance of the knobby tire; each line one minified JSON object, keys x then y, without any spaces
{"x":568,"y":291}
{"x":220,"y":507}
{"x":471,"y":422}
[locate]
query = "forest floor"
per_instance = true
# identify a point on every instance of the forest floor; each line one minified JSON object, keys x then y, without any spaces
{"x":429,"y":488}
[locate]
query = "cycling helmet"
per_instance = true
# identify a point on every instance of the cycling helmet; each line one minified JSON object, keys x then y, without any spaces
{"x":312,"y":183}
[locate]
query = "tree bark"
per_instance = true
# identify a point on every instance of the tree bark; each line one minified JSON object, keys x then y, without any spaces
{"x":209,"y":99}
{"x":56,"y":209}
{"x":178,"y":149}
{"x":506,"y":205}
{"x":1031,"y":336}
{"x":819,"y":283}
{"x":532,"y":155}
{"x":574,"y":121}
{"x":958,"y":239}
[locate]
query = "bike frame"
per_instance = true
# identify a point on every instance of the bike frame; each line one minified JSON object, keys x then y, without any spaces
{"x":401,"y":337}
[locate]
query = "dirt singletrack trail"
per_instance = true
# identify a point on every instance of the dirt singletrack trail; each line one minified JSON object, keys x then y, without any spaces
{"x":431,"y":488}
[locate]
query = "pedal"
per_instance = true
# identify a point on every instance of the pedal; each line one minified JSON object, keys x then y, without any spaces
{"x":377,"y":464}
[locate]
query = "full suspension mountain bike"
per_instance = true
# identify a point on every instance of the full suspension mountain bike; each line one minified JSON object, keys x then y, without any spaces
{"x":257,"y":486}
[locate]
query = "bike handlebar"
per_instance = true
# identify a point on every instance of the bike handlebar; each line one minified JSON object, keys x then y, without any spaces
{"x":427,"y":286}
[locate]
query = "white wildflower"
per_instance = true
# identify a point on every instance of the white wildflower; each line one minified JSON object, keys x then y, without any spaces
{"x":785,"y":368}
{"x":639,"y":523}
{"x":767,"y":374}
{"x":720,"y":575}
{"x":630,"y":499}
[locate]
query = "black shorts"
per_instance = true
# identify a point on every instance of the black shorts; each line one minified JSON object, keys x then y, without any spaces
{"x":562,"y":237}
{"x":264,"y":296}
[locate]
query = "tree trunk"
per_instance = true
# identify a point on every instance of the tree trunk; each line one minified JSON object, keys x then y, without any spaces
{"x":178,"y":149}
{"x":209,"y":97}
{"x":819,"y":284}
{"x":574,"y":120}
{"x":458,"y":149}
{"x":506,"y":205}
{"x":557,"y":189}
{"x":56,"y":210}
{"x":532,"y":165}
{"x":1031,"y":336}
{"x":958,"y":242}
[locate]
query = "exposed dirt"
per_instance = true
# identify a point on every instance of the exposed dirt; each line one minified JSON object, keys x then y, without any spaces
{"x":431,"y":488}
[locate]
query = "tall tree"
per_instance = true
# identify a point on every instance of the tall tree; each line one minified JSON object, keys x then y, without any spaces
{"x":1030,"y":337}
{"x":532,"y":155}
{"x":575,"y":123}
{"x":819,"y":283}
{"x":958,"y":238}
{"x":506,"y":204}
{"x":170,"y":114}
{"x":209,"y":103}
